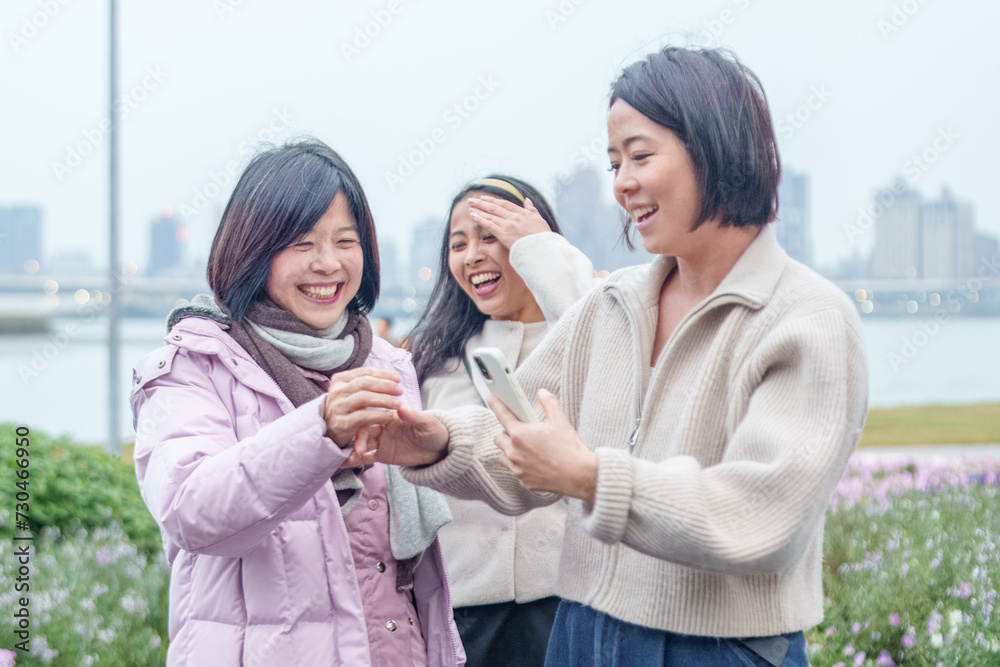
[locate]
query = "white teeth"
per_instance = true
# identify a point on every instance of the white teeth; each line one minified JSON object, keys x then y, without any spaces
{"x":321,"y":293}
{"x":481,"y":278}
{"x":639,"y":212}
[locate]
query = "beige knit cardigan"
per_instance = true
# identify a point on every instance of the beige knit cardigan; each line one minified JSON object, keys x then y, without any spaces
{"x":715,"y":466}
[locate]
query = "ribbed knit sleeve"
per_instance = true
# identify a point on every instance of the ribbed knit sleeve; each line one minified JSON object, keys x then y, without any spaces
{"x":556,"y":272}
{"x":471,"y":469}
{"x":806,"y":398}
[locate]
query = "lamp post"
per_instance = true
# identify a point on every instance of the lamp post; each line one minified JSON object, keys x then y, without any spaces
{"x":114,"y":264}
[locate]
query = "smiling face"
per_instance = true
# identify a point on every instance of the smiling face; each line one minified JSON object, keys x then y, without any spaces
{"x":318,"y":275}
{"x":480,"y":264}
{"x":655,"y":179}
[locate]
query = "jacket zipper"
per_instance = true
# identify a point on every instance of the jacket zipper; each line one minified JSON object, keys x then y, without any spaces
{"x":718,"y":299}
{"x":637,"y":351}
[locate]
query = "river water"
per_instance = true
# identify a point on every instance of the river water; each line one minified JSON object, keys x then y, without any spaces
{"x":58,"y":383}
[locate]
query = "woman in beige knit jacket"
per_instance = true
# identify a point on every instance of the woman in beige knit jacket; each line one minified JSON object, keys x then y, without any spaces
{"x":698,"y":409}
{"x":505,"y":275}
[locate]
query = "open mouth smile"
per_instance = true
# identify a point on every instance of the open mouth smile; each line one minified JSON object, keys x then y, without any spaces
{"x":485,"y":283}
{"x":322,"y":293}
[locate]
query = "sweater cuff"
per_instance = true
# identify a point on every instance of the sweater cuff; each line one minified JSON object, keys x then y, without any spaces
{"x":607,"y":518}
{"x":458,"y":460}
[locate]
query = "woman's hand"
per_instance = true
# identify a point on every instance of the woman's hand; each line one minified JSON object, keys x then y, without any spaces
{"x":505,"y":220}
{"x":349,"y":398}
{"x":408,"y":438}
{"x":549,"y":456}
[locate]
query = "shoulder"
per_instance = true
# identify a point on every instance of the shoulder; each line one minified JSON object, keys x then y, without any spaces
{"x":801,"y":292}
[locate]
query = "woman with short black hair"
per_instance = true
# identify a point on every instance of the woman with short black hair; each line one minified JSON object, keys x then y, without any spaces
{"x":699,"y":409}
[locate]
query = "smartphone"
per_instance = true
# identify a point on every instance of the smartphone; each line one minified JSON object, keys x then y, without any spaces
{"x":494,"y":370}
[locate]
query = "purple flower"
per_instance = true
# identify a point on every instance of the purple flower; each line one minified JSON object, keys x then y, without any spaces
{"x":855,"y":628}
{"x":909,"y":641}
{"x":885,"y":659}
{"x":859,"y":659}
{"x":965,"y":590}
{"x":7,"y":658}
{"x":894,"y":620}
{"x":841,"y":664}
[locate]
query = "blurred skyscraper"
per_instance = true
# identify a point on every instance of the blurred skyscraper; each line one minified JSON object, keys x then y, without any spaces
{"x":932,"y":240}
{"x":592,"y":225}
{"x":20,"y":238}
{"x":898,"y":251}
{"x":167,"y":236}
{"x":793,"y":225}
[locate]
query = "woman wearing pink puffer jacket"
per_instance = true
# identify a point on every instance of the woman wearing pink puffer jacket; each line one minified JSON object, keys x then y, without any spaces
{"x":284,"y":546}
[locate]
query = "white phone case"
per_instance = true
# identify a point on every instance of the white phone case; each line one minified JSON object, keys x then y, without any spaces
{"x":492,"y":368}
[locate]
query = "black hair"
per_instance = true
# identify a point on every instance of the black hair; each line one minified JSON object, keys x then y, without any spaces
{"x":717,"y":108}
{"x":451,"y":317}
{"x":279,"y":198}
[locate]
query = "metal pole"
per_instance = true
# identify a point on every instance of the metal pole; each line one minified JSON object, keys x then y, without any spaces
{"x":114,"y":264}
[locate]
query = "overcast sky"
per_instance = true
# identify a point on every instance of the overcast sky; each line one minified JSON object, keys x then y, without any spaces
{"x":874,"y":84}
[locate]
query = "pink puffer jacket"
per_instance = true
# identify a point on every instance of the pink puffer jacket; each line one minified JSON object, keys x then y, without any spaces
{"x":239,"y":482}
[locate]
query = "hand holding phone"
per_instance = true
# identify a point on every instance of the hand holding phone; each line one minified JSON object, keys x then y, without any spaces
{"x":494,"y":371}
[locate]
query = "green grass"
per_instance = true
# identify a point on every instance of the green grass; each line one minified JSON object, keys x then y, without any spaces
{"x":933,"y":425}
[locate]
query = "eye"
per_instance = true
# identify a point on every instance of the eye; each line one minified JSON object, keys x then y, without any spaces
{"x":639,"y":157}
{"x":456,"y":247}
{"x":613,"y":168}
{"x":347,"y":243}
{"x":489,"y":238}
{"x":302,"y":245}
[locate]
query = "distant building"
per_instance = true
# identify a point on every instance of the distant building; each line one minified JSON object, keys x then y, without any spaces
{"x":987,"y":250}
{"x":793,"y":225}
{"x":425,"y":251}
{"x":167,"y":236}
{"x":898,"y":251}
{"x":948,"y":239}
{"x":592,"y":225}
{"x":20,"y":237}
{"x":931,"y":240}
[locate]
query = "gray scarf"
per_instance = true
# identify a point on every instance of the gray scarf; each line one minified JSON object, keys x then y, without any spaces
{"x":278,"y":342}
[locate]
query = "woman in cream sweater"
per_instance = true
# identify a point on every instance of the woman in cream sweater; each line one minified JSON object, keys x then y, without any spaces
{"x":699,"y":409}
{"x":505,"y":275}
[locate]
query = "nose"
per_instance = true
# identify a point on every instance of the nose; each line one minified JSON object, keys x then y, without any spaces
{"x":624,"y":183}
{"x":325,"y":258}
{"x":474,"y":253}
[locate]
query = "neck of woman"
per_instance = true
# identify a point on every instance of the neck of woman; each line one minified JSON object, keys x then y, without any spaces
{"x":707,"y":260}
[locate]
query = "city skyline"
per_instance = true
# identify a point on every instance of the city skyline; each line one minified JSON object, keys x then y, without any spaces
{"x":528,"y":96}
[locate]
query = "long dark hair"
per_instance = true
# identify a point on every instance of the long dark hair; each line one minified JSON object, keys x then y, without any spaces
{"x":717,"y":107}
{"x":280,"y":197}
{"x":451,"y":317}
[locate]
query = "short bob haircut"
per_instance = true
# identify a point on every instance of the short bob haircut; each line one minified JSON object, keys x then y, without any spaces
{"x":717,"y":107}
{"x":280,"y":197}
{"x":451,"y":317}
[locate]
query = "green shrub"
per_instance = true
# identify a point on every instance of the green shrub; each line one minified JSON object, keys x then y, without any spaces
{"x":73,"y":487}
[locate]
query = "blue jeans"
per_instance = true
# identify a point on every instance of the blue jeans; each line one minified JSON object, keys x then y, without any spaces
{"x":585,"y":637}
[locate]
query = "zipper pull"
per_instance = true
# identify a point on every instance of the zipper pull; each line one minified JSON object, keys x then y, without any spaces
{"x":635,"y":436}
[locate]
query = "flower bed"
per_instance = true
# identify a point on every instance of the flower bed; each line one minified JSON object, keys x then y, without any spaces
{"x":912,"y":556}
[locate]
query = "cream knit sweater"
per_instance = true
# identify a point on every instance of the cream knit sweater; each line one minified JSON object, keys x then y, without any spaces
{"x":492,"y":557}
{"x":711,"y":523}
